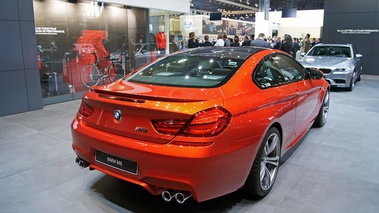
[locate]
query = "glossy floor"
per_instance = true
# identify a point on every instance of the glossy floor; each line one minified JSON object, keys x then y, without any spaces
{"x":334,"y":169}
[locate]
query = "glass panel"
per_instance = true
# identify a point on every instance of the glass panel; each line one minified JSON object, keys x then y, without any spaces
{"x":291,"y":70}
{"x":335,"y":51}
{"x":51,"y":33}
{"x":268,"y":74}
{"x":71,"y":36}
{"x":158,"y":37}
{"x":183,"y":70}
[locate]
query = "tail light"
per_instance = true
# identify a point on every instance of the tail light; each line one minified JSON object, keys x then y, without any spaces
{"x":207,"y":123}
{"x":85,"y":109}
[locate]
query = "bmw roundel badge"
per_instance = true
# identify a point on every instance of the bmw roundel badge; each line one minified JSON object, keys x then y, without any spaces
{"x":117,"y":114}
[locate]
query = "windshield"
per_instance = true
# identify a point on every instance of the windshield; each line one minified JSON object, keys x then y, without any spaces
{"x":188,"y":71}
{"x":335,"y":51}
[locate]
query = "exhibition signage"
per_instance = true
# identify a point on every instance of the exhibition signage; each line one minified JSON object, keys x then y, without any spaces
{"x":358,"y":31}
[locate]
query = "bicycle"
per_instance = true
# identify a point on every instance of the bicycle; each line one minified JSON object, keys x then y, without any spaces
{"x":91,"y":74}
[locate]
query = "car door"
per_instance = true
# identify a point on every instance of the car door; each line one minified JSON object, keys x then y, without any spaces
{"x":280,"y":96}
{"x":306,"y":91}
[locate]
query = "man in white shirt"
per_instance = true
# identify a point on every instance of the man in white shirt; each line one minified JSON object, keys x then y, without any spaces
{"x":220,"y":41}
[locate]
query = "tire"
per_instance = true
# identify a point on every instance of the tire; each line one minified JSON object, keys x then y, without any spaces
{"x":360,"y":72}
{"x":265,"y":167}
{"x":115,"y":71}
{"x":90,"y":76}
{"x":323,"y":112}
{"x":352,"y":83}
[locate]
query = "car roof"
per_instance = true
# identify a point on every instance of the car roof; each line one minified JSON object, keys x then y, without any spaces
{"x":229,"y":52}
{"x":335,"y":45}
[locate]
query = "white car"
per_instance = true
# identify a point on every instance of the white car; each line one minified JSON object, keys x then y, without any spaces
{"x":341,"y":63}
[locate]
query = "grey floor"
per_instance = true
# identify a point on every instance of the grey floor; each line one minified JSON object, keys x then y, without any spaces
{"x":334,"y":168}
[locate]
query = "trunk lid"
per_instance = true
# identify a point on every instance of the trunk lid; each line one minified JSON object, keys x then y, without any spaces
{"x":138,"y":104}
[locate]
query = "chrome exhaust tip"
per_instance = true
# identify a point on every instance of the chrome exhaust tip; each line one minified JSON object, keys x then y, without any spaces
{"x":81,"y":163}
{"x":167,"y":196}
{"x":181,"y":198}
{"x":77,"y":160}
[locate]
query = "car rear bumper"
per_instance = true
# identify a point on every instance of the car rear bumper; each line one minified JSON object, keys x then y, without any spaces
{"x":197,"y":170}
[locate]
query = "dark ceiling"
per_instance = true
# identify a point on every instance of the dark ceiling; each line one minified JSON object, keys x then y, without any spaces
{"x":245,"y":9}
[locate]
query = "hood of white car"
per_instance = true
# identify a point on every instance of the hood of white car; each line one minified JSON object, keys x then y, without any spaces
{"x":325,"y":61}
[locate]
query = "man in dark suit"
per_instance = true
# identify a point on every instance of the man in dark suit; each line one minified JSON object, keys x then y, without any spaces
{"x":296,"y":47}
{"x":260,"y":42}
{"x":206,"y":42}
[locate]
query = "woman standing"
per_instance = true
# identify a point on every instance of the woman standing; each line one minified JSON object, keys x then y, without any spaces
{"x":192,"y":41}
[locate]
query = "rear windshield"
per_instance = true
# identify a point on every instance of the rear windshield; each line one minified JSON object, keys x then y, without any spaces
{"x":336,"y":51}
{"x":188,"y":71}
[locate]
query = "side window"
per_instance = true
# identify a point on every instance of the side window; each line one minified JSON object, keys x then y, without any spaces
{"x":268,"y":74}
{"x":291,"y":70}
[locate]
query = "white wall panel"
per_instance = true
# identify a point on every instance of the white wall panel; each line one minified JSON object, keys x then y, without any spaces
{"x":306,"y":21}
{"x":182,"y":6}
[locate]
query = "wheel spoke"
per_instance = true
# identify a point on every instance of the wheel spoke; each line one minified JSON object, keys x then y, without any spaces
{"x":266,"y":178}
{"x":266,"y":149}
{"x":326,"y":98}
{"x":326,"y":109}
{"x":262,"y":173}
{"x":326,"y":106}
{"x":272,"y":160}
{"x":270,"y":147}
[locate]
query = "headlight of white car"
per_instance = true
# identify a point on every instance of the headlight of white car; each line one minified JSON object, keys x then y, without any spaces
{"x":342,"y":70}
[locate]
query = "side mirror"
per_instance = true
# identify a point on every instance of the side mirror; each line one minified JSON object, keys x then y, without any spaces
{"x":314,"y":73}
{"x":358,"y":55}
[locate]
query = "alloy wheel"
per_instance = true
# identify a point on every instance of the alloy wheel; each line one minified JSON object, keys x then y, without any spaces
{"x":325,"y":107}
{"x":270,"y":161}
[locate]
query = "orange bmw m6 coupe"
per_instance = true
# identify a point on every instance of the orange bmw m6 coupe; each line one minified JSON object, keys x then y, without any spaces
{"x":201,"y":123}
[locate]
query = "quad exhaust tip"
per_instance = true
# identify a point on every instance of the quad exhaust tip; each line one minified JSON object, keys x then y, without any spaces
{"x":167,"y":195}
{"x":180,"y":197}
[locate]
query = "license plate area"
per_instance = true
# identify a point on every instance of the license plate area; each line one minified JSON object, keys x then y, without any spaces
{"x":119,"y":163}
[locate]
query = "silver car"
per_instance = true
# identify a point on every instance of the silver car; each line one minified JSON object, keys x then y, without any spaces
{"x":143,"y":54}
{"x":341,"y":63}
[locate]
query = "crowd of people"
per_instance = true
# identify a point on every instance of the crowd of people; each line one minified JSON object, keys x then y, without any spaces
{"x":286,"y":43}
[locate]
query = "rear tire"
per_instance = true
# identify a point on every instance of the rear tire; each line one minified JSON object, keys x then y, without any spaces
{"x":90,"y":76}
{"x":265,"y":167}
{"x":324,"y":111}
{"x":360,"y":73}
{"x":359,"y":78}
{"x":115,"y":71}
